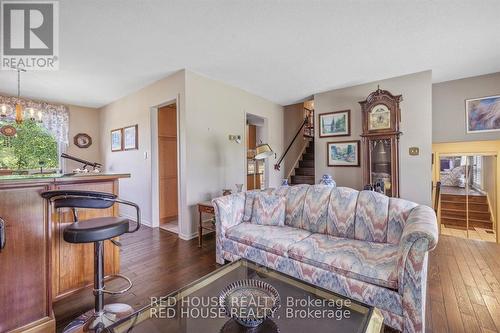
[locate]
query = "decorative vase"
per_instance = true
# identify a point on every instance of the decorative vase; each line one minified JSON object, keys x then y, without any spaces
{"x":327,"y":180}
{"x":239,"y":188}
{"x":284,"y":182}
{"x":226,"y":191}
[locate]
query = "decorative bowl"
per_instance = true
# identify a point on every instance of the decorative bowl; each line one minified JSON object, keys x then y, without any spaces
{"x":249,"y":302}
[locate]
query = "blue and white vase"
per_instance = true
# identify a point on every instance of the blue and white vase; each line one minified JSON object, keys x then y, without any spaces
{"x":327,"y":180}
{"x":284,"y":182}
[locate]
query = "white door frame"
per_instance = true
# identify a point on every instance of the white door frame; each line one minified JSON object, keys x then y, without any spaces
{"x":155,"y":191}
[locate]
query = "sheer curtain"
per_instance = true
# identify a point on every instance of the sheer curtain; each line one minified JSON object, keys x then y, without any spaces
{"x":54,"y":117}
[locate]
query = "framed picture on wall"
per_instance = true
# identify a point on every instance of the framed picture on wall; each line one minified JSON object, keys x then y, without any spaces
{"x":343,"y":153}
{"x":130,"y":137}
{"x":117,"y":139}
{"x":482,"y":114}
{"x":336,"y":123}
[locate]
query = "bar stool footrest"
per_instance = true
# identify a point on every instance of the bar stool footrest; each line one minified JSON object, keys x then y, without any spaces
{"x":115,"y":292}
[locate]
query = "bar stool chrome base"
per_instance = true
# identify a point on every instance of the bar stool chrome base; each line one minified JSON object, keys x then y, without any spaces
{"x":90,"y":321}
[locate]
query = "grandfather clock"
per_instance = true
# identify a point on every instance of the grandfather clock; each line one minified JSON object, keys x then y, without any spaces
{"x":380,"y":140}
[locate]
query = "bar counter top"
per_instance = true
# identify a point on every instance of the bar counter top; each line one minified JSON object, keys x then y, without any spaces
{"x":60,"y":177}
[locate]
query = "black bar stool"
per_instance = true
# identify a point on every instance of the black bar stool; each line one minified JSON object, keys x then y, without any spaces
{"x":96,"y":231}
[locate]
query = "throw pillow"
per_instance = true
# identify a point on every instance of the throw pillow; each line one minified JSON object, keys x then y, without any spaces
{"x":268,"y":209}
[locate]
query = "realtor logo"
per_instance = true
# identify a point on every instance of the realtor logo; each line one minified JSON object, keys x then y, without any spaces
{"x":30,"y":35}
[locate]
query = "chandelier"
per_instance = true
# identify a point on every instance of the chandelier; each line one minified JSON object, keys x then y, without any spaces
{"x":14,"y":110}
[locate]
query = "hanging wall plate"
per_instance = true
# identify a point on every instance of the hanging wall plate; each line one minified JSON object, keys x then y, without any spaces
{"x":82,"y":140}
{"x":8,"y":130}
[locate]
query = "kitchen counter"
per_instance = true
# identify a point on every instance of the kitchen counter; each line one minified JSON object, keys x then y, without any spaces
{"x":38,"y":266}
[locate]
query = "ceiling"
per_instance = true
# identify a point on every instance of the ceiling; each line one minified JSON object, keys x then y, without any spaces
{"x":281,"y":50}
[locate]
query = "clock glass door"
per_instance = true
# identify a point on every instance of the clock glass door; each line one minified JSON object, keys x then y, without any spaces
{"x":381,"y":165}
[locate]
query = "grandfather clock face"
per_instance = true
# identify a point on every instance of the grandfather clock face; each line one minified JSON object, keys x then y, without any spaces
{"x":379,"y":118}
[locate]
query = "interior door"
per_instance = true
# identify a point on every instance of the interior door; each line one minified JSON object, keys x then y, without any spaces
{"x":167,"y":162}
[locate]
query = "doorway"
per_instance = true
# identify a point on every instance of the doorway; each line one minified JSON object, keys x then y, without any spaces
{"x":256,"y":169}
{"x":167,"y":168}
{"x":468,"y":196}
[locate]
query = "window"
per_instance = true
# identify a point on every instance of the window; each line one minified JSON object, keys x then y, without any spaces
{"x":31,"y":148}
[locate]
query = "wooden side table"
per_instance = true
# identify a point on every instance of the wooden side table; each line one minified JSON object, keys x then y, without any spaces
{"x":207,"y":208}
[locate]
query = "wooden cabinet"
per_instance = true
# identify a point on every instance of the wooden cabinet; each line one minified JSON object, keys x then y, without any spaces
{"x":36,"y":265}
{"x":25,"y":299}
{"x":73,"y":264}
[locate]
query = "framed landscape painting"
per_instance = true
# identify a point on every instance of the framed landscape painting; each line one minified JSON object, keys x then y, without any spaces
{"x":117,"y":139}
{"x":482,"y":114}
{"x":343,"y":153}
{"x":335,"y":124}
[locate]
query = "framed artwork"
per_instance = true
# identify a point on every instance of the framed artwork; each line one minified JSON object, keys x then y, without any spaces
{"x":335,"y":124}
{"x":343,"y":153}
{"x":482,"y":114}
{"x":117,"y":139}
{"x":130,"y":137}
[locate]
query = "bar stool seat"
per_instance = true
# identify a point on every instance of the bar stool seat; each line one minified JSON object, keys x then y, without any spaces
{"x":96,"y":229}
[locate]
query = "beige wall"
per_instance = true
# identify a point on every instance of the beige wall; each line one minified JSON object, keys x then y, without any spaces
{"x":213,"y":111}
{"x":293,"y":119}
{"x":416,"y":125}
{"x":136,"y":108}
{"x":83,"y":120}
{"x":448,"y":107}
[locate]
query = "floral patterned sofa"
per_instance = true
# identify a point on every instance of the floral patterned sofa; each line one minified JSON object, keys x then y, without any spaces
{"x":360,"y":244}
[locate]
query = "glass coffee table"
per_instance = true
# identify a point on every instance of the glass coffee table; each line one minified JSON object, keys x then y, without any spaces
{"x":304,"y":307}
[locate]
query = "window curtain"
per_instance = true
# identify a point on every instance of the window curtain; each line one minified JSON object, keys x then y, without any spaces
{"x":55,"y":117}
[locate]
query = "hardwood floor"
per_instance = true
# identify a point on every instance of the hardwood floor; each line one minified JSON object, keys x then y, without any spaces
{"x":463,"y":291}
{"x":156,"y":261}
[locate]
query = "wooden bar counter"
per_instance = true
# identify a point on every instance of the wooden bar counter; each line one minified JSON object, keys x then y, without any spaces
{"x":37,"y":266}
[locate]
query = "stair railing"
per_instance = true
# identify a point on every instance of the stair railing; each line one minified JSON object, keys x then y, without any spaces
{"x":277,"y":166}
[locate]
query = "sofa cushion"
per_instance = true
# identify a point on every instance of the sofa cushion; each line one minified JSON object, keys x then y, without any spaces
{"x":342,"y":212}
{"x":273,"y":239}
{"x":315,"y":212}
{"x":365,"y":261}
{"x":250,"y":196}
{"x":268,"y":209}
{"x":371,"y":217}
{"x":295,"y":198}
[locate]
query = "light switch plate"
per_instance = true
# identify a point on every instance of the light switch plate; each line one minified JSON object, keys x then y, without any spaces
{"x":414,"y":151}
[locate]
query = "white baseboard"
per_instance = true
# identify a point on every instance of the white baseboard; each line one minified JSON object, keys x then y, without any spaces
{"x":133,"y":218}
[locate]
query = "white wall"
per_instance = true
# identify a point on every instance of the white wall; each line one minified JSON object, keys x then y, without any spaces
{"x":416,"y":125}
{"x":448,"y":107}
{"x":130,"y":110}
{"x":83,"y":120}
{"x":213,"y":111}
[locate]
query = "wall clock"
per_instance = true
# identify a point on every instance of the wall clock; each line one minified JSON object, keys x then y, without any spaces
{"x":8,"y":130}
{"x":82,"y":140}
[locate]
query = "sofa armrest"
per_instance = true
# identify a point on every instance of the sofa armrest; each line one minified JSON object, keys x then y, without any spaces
{"x":420,"y":235}
{"x":229,"y":211}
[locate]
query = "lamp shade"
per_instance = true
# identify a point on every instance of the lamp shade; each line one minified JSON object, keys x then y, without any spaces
{"x":263,"y":151}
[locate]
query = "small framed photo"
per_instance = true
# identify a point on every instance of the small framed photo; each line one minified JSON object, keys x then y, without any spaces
{"x":482,"y":114}
{"x":130,"y":137}
{"x":117,"y":139}
{"x":335,"y":124}
{"x":343,"y":153}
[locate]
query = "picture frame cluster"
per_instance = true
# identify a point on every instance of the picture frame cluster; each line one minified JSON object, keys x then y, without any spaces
{"x":339,"y":153}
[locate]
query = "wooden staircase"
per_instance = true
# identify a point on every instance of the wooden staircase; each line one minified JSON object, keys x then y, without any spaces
{"x":304,"y":173}
{"x":453,"y":211}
